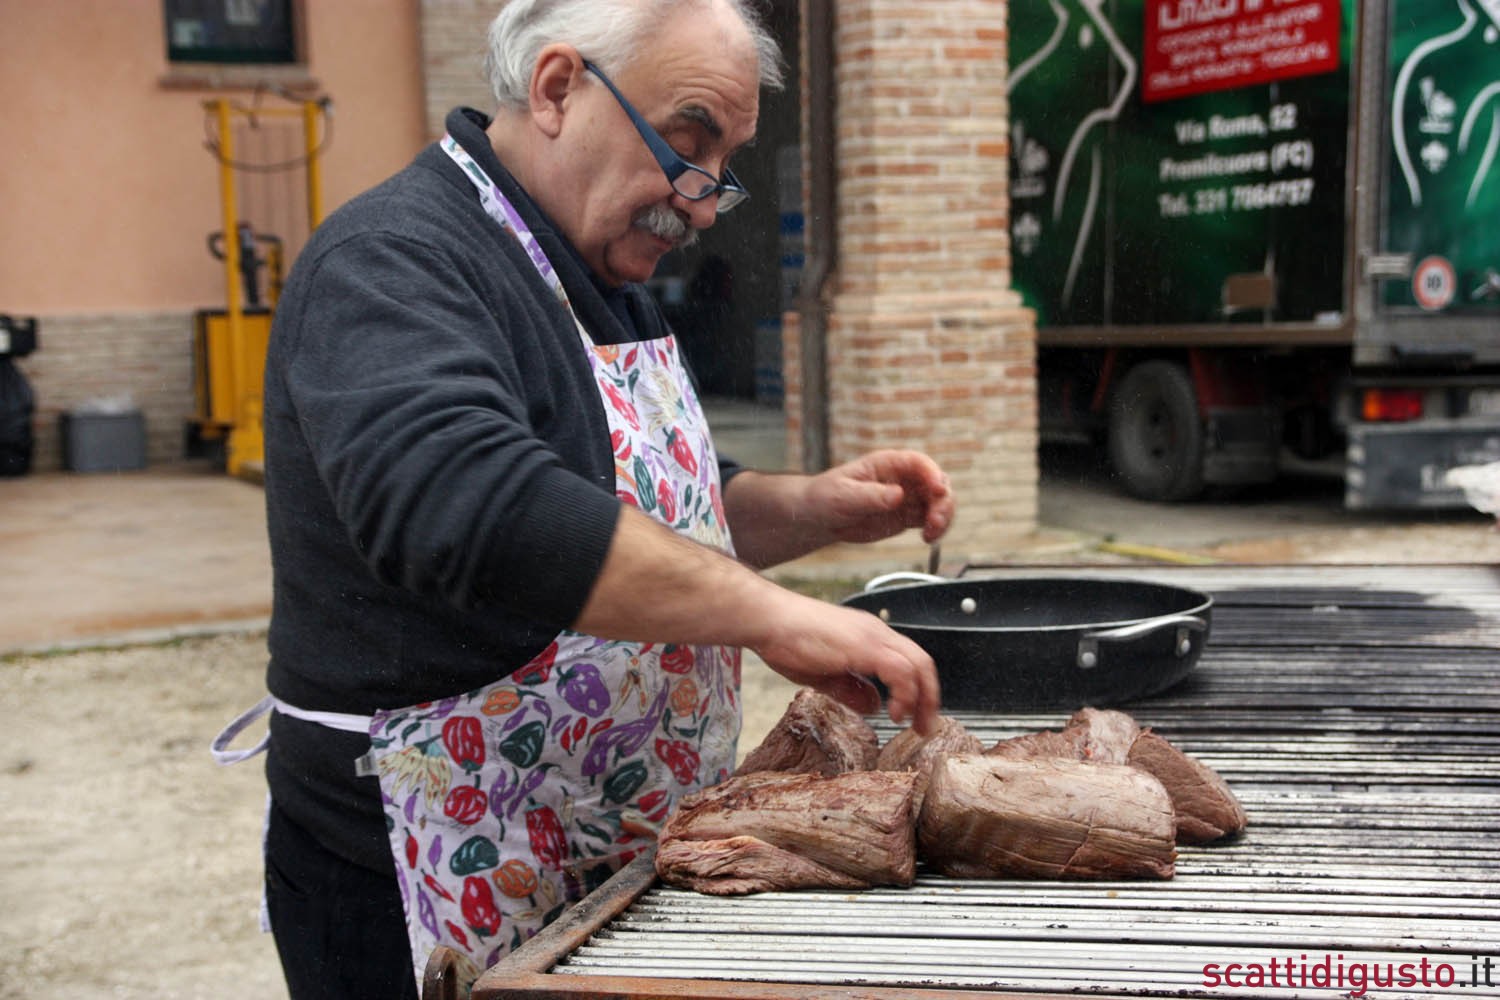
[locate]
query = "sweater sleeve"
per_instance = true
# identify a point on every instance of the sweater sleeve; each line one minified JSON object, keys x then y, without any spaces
{"x":416,"y":402}
{"x":728,"y":469}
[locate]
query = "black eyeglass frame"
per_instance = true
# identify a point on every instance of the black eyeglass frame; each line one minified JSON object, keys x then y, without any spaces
{"x":729,"y":189}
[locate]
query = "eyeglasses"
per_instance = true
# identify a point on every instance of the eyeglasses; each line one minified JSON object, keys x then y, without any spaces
{"x":693,"y":183}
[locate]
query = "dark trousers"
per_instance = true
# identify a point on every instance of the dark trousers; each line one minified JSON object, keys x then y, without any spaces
{"x":338,"y":925}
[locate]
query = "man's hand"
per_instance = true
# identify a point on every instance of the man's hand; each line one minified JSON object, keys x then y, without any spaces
{"x":882,"y":494}
{"x":777,"y":517}
{"x":833,"y":649}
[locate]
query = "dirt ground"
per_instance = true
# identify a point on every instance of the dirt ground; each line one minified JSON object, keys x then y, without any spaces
{"x":129,"y":861}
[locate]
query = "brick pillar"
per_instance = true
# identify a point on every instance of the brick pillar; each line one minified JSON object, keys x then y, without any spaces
{"x":928,"y":346}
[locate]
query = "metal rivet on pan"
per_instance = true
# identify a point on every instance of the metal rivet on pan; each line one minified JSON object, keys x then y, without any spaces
{"x":968,"y":605}
{"x":885,"y":614}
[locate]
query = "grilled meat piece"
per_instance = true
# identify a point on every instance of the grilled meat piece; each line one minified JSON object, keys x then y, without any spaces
{"x":1067,"y":744}
{"x":1102,"y":736}
{"x":987,"y":816}
{"x":1106,"y":735}
{"x":738,"y":866}
{"x":1206,"y":807}
{"x":765,"y":832}
{"x":815,"y":735}
{"x":909,"y":750}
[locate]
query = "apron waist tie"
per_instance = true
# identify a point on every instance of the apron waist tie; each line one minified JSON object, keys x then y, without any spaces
{"x":219,"y":748}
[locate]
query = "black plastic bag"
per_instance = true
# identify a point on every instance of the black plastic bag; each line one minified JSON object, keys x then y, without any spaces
{"x":17,"y":407}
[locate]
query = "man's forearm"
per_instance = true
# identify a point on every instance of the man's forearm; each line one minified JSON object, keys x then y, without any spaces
{"x":770,"y":519}
{"x":657,"y":586}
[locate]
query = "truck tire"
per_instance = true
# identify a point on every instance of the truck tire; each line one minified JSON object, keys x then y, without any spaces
{"x":1155,"y":434}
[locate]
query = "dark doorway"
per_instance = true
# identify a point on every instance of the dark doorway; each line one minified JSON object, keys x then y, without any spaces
{"x":725,"y":295}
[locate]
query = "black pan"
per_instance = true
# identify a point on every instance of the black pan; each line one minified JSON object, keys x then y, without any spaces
{"x":1045,"y":643}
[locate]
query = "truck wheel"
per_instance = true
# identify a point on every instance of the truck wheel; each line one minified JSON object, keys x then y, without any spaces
{"x":1155,"y":433}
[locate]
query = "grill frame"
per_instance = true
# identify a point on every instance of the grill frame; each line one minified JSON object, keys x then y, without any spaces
{"x":1378,"y":801}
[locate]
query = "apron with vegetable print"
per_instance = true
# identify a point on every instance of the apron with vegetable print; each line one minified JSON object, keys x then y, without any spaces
{"x":506,"y":804}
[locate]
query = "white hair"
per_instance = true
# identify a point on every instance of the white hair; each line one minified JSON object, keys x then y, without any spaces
{"x":608,"y":33}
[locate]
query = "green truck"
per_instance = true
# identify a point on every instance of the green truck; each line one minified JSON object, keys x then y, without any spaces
{"x":1263,"y":233}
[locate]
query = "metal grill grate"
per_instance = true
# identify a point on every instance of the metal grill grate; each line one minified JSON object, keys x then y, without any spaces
{"x":1366,"y":750}
{"x":1329,"y":867}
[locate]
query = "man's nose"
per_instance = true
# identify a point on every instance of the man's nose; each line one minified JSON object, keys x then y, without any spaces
{"x":700,"y":214}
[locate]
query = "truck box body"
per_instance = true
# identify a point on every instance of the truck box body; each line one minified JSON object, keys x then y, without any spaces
{"x":1281,"y":214}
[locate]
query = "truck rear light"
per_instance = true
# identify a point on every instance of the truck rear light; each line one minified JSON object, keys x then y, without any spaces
{"x":1391,"y":405}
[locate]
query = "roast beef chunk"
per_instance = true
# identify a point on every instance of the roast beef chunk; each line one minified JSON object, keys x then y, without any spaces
{"x":909,"y":750}
{"x":766,"y":831}
{"x":1105,"y":736}
{"x":1101,"y":736}
{"x":737,"y":866}
{"x":1206,"y":807}
{"x":1047,"y":743}
{"x":987,"y":816}
{"x":815,"y":735}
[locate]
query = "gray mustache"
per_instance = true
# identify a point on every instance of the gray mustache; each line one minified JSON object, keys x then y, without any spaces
{"x":662,"y":222}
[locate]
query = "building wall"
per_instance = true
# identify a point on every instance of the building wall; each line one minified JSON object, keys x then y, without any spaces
{"x":109,"y":192}
{"x":927,"y":343}
{"x":453,"y":46}
{"x":134,"y":360}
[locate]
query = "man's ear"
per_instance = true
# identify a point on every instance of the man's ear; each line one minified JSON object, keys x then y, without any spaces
{"x":557,"y":74}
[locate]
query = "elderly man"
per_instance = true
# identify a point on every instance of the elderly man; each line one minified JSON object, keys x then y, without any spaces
{"x":512,"y":576}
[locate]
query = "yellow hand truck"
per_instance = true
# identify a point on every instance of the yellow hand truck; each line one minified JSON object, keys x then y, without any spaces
{"x":229,"y":344}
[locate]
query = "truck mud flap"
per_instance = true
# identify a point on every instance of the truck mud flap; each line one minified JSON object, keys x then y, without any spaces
{"x":1241,"y":447}
{"x":1403,"y":467}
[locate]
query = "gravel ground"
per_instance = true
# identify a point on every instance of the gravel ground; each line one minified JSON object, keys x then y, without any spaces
{"x":133,"y":857}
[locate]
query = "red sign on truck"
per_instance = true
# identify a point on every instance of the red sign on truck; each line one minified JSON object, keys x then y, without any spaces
{"x":1197,"y":46}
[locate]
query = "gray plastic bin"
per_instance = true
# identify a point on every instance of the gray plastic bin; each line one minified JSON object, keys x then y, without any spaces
{"x":103,"y":442}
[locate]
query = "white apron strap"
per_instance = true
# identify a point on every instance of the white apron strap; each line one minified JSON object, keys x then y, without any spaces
{"x":333,"y":720}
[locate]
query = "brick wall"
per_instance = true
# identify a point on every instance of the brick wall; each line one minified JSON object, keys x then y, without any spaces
{"x":453,"y":46}
{"x":146,"y":358}
{"x":928,"y":346}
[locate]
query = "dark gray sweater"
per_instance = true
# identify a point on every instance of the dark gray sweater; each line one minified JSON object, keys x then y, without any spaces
{"x":439,"y":478}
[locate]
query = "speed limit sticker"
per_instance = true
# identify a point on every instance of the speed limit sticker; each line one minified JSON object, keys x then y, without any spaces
{"x":1433,"y":282}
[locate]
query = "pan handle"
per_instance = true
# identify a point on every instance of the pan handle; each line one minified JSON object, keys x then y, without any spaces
{"x":1088,"y":645}
{"x":905,"y":576}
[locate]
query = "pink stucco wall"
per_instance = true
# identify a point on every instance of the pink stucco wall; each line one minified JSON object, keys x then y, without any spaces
{"x":106,"y":190}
